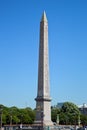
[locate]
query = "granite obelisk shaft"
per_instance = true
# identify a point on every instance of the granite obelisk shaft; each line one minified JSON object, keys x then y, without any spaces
{"x":43,"y":100}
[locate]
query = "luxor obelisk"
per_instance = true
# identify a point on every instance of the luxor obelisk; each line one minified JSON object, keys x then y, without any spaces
{"x":43,"y":100}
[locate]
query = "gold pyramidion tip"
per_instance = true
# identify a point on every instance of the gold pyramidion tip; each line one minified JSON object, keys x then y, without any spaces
{"x":44,"y":18}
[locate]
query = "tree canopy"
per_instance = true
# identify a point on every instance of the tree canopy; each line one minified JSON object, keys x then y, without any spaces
{"x":68,"y":113}
{"x":16,"y":115}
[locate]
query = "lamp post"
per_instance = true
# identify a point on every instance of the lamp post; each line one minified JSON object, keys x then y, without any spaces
{"x":0,"y":118}
{"x":57,"y":121}
{"x":79,"y":120}
{"x":11,"y":122}
{"x":10,"y":118}
{"x":42,"y":115}
{"x":21,"y":122}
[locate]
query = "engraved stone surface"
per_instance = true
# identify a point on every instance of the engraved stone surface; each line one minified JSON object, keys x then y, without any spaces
{"x":43,"y":100}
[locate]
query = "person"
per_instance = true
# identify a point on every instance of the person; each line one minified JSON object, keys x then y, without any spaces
{"x":20,"y":126}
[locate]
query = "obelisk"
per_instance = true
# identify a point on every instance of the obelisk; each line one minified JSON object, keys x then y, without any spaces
{"x":43,"y":100}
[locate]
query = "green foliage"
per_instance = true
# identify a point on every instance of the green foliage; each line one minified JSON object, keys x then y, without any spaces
{"x":15,"y":115}
{"x":69,"y":107}
{"x":83,"y":119}
{"x":71,"y":113}
{"x":68,"y":114}
{"x":54,"y":112}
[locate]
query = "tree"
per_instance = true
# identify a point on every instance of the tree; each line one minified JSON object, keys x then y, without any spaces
{"x":31,"y":114}
{"x":54,"y":112}
{"x":71,"y":113}
{"x":14,"y":115}
{"x":26,"y":116}
{"x":83,"y":119}
{"x":68,"y":114}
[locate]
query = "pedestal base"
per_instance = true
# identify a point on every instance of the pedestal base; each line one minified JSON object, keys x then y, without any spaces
{"x":44,"y":123}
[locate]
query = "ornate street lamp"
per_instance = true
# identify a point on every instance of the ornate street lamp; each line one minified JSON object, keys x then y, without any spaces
{"x":57,"y":120}
{"x":10,"y":118}
{"x":79,"y":121}
{"x":1,"y":118}
{"x":10,"y":122}
{"x":42,"y":115}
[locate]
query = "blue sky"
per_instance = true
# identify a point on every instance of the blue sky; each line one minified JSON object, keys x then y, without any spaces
{"x":19,"y":45}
